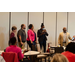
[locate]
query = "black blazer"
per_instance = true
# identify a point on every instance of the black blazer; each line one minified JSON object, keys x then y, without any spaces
{"x":40,"y":37}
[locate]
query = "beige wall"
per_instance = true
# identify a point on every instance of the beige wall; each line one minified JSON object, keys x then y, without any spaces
{"x":71,"y":23}
{"x":61,"y":22}
{"x":4,"y":30}
{"x":50,"y":24}
{"x":36,"y":18}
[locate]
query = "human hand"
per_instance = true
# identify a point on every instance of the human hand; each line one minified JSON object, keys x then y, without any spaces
{"x":21,"y":43}
{"x":25,"y":51}
{"x":36,"y":42}
{"x":42,"y":33}
{"x":31,"y":42}
{"x":44,"y":30}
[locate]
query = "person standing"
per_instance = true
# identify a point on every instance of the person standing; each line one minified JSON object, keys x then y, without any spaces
{"x":22,"y":36}
{"x":42,"y":33}
{"x":32,"y":38}
{"x":13,"y":33}
{"x":64,"y":38}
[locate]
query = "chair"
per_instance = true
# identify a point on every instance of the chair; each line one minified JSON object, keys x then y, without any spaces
{"x":48,"y":55}
{"x":10,"y":56}
{"x":41,"y":56}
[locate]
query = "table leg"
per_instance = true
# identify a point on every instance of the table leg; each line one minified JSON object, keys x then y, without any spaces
{"x":35,"y":58}
{"x":41,"y":59}
{"x":49,"y":58}
{"x":31,"y":57}
{"x":45,"y":59}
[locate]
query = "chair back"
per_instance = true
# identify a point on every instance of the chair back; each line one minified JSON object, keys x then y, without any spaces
{"x":10,"y":56}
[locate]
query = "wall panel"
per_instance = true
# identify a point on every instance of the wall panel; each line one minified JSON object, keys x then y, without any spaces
{"x":71,"y":23}
{"x":50,"y":24}
{"x":4,"y":30}
{"x":61,"y":22}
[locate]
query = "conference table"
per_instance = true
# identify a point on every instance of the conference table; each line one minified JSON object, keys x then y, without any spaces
{"x":32,"y":55}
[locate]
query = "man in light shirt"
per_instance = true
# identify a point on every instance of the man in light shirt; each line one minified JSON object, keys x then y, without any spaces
{"x":64,"y":37}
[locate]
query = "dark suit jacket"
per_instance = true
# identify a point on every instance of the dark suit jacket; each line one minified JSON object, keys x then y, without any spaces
{"x":40,"y":37}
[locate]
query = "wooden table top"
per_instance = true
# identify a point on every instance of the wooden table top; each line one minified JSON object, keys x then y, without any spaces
{"x":30,"y":53}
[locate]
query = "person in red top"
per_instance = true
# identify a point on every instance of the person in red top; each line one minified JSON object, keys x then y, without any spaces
{"x":70,"y":52}
{"x":13,"y":33}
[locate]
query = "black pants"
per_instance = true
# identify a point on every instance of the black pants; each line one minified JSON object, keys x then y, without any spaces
{"x":30,"y":45}
{"x":43,"y":44}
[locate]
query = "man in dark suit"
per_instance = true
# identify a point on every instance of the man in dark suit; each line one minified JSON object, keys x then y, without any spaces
{"x":42,"y":33}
